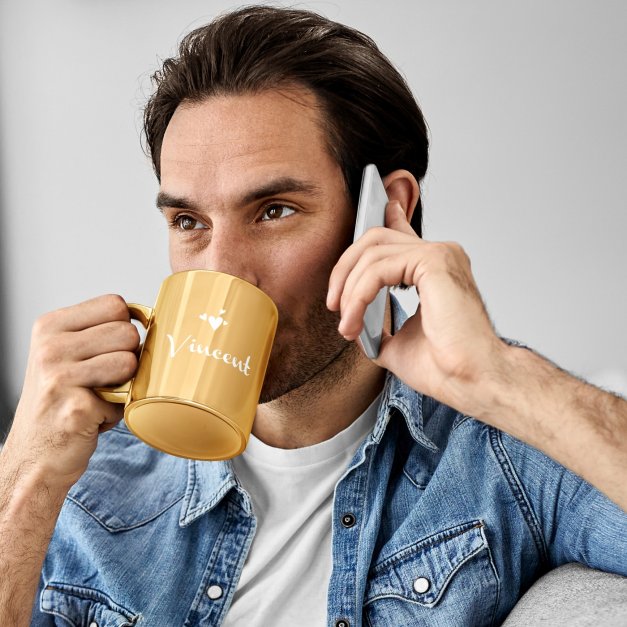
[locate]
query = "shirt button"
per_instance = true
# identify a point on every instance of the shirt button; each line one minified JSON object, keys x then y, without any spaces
{"x":214,"y":592}
{"x":342,"y":623}
{"x":422,"y":584}
{"x":348,"y":520}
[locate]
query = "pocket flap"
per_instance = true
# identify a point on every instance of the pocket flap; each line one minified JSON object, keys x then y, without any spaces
{"x":84,"y":606}
{"x":420,"y":572}
{"x":128,"y":483}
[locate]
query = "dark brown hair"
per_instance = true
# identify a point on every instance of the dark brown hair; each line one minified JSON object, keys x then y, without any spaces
{"x":370,"y":114}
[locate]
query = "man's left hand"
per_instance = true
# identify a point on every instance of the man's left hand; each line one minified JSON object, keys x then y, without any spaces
{"x":449,"y":345}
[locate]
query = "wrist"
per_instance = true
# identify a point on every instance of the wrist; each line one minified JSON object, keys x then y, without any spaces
{"x":24,"y":481}
{"x":518,"y":382}
{"x":487,"y":392}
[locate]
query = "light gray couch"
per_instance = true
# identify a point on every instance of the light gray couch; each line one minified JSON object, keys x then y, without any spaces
{"x":573,"y":596}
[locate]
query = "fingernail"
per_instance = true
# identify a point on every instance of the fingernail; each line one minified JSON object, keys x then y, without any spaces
{"x":330,"y":298}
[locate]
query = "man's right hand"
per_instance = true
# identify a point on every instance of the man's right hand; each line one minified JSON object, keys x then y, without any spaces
{"x":59,"y":417}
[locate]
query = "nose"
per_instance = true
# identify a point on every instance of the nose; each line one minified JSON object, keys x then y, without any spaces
{"x":232,"y":253}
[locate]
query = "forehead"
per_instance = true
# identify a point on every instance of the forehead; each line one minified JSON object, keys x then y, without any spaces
{"x":242,"y":130}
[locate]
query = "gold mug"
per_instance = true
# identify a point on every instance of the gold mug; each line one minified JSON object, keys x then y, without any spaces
{"x":201,"y":367}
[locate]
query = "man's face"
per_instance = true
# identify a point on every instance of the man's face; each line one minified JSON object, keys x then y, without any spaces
{"x":249,"y":188}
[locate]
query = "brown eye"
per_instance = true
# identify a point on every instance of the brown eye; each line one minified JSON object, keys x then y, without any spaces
{"x":274,"y":212}
{"x":187,"y":223}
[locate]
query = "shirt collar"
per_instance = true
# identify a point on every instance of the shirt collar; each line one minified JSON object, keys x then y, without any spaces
{"x":397,"y":395}
{"x":209,"y":482}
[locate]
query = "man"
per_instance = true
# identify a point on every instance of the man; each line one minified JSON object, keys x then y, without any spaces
{"x":385,"y":492}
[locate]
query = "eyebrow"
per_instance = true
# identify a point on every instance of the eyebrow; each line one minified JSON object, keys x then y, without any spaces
{"x":283,"y":185}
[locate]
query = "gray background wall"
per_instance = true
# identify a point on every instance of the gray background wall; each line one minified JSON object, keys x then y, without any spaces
{"x":526,"y":102}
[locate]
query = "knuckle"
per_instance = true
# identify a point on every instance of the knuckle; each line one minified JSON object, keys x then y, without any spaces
{"x":126,"y":364}
{"x":47,"y":354}
{"x":457,"y":249}
{"x":116,"y":307}
{"x":377,"y":234}
{"x":122,"y":334}
{"x":439,"y":250}
{"x":75,"y":405}
{"x":43,"y":323}
{"x":43,"y":355}
{"x":75,"y":412}
{"x":54,"y":379}
{"x":369,"y":255}
{"x":131,"y":335}
{"x":449,"y":253}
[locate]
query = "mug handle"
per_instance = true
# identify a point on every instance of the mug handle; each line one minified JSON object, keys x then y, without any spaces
{"x":119,"y":394}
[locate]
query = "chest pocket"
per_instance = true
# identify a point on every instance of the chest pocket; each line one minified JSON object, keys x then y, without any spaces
{"x":445,"y":579}
{"x":84,"y":607}
{"x":127,"y":483}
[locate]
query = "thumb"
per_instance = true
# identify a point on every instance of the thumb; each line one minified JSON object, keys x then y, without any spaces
{"x":396,"y":218}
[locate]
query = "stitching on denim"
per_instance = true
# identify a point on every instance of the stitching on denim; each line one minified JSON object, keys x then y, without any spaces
{"x":455,"y":570}
{"x":417,"y":433}
{"x":232,"y":513}
{"x":435,"y":538}
{"x":443,"y":587}
{"x":518,"y":491}
{"x":245,"y":547}
{"x":230,"y":521}
{"x":126,"y":528}
{"x":89,"y":594}
{"x":459,"y":421}
{"x":366,"y":481}
{"x":198,"y":511}
{"x":215,"y":552}
{"x":192,"y":512}
{"x":496,"y":578}
{"x":65,"y":618}
{"x":411,"y":480}
{"x":190,"y":488}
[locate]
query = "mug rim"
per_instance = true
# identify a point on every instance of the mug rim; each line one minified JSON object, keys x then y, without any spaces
{"x":218,"y":272}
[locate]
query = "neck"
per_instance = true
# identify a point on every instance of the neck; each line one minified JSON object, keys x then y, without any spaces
{"x":313,"y":412}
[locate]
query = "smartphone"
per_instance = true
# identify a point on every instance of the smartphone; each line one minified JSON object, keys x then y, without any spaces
{"x":371,"y":212}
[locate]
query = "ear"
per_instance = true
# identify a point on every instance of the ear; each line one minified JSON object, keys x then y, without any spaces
{"x":402,"y":185}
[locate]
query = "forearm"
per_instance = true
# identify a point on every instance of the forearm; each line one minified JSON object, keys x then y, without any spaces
{"x":28,"y":513}
{"x":578,"y":425}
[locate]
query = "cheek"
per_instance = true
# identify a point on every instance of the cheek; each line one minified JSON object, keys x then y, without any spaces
{"x":182,"y":257}
{"x":296,"y":275}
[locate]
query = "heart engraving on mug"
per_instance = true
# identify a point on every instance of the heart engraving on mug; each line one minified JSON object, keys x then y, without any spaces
{"x":215,"y":321}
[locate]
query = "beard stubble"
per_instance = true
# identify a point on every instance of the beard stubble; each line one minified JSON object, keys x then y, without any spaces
{"x":308,"y":357}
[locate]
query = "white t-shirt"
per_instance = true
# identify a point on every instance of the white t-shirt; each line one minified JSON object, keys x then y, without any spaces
{"x":286,"y":575}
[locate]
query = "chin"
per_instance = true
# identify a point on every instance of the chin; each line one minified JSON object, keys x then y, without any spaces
{"x":286,"y":378}
{"x":307,"y":356}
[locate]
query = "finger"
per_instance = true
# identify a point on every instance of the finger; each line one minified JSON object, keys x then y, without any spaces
{"x":106,"y":414}
{"x":109,"y":337}
{"x":103,"y":370}
{"x":376,"y":236}
{"x":90,"y":313}
{"x":97,"y":414}
{"x":112,"y":414}
{"x":396,"y":218}
{"x":404,"y":346}
{"x":386,"y":271}
{"x":371,"y":256}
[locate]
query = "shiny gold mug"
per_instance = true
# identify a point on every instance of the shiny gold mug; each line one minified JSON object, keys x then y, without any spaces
{"x":201,"y":367}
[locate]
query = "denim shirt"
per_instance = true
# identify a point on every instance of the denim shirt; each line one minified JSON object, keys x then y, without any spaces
{"x":439,"y":519}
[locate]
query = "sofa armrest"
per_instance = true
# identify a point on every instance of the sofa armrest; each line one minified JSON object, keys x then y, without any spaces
{"x":573,"y":595}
